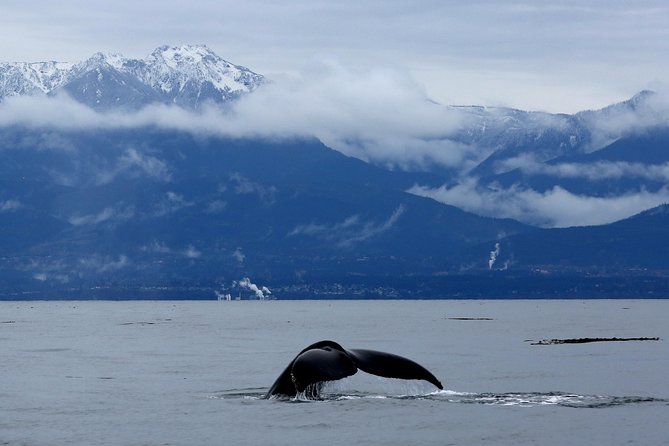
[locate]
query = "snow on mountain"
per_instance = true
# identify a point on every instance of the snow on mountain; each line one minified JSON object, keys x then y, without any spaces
{"x":102,"y":82}
{"x":171,"y":68}
{"x":23,"y":78}
{"x":97,"y":61}
{"x":512,"y":135}
{"x":188,"y":75}
{"x":509,"y":133}
{"x":646,"y":109}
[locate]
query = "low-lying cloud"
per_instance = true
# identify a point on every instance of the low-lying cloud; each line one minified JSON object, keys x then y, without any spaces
{"x":109,"y":214}
{"x":63,"y":270}
{"x":556,"y":207}
{"x":244,"y":186}
{"x":171,"y":203}
{"x":650,"y":110}
{"x":593,"y":171}
{"x":135,"y":163}
{"x":104,"y":264}
{"x":379,"y":115}
{"x":9,"y":205}
{"x":350,"y":231}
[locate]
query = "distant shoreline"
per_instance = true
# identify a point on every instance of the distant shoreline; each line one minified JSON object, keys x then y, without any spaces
{"x":455,"y":287}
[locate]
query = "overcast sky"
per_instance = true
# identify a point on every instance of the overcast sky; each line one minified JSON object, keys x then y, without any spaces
{"x":559,"y":56}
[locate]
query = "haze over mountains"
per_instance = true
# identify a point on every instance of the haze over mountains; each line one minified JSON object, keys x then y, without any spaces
{"x":180,"y":174}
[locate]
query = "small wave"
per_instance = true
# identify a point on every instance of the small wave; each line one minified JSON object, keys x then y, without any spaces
{"x":519,"y":399}
{"x":250,"y":393}
{"x":530,"y":399}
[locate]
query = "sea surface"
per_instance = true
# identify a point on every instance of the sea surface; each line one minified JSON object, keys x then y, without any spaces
{"x":194,"y":373}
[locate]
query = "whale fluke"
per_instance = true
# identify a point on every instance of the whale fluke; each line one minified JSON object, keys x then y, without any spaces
{"x":329,"y":361}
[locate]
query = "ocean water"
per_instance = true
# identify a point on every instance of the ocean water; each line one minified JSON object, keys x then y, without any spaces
{"x":193,"y":373}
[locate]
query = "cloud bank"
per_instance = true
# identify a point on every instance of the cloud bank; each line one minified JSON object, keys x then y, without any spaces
{"x":379,"y":115}
{"x":556,"y":207}
{"x":594,"y":171}
{"x":609,"y":124}
{"x":523,"y":53}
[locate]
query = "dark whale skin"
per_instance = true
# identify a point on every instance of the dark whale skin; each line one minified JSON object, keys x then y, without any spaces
{"x":329,"y":361}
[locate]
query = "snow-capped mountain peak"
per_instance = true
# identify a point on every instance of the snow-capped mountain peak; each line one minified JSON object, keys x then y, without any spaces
{"x":23,"y":78}
{"x":172,"y":68}
{"x":183,"y":55}
{"x":188,"y":75}
{"x":96,"y":62}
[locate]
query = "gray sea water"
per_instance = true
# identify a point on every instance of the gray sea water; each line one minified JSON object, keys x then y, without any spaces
{"x":193,"y":373}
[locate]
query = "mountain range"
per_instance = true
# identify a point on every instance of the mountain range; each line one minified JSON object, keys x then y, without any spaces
{"x":154,"y":212}
{"x":187,"y":75}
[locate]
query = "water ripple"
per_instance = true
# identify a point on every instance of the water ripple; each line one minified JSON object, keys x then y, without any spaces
{"x":529,"y":399}
{"x":521,"y":399}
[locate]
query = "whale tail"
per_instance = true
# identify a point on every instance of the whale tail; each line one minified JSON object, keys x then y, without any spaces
{"x":329,"y":361}
{"x":389,"y":365}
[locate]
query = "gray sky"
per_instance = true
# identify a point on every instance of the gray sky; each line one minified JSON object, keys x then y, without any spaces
{"x":560,"y":56}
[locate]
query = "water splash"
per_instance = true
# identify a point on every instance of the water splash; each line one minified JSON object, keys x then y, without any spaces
{"x":518,"y":399}
{"x":531,"y":399}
